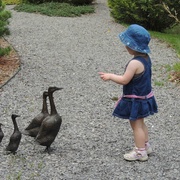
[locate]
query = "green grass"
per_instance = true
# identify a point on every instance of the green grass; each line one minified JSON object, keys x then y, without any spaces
{"x":172,"y":39}
{"x":158,"y":83}
{"x":176,"y":67}
{"x":56,"y":9}
{"x":5,"y":51}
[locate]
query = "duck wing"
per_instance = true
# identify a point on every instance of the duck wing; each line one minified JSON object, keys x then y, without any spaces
{"x":14,"y":141}
{"x":36,"y":122}
{"x":49,"y":130}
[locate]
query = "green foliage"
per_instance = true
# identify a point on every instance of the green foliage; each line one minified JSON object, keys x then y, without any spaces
{"x":4,"y":16}
{"x":4,"y":51}
{"x":176,"y":67}
{"x":175,"y":74}
{"x":158,"y":83}
{"x":149,"y":13}
{"x":173,"y":30}
{"x":75,"y":2}
{"x":168,"y":67}
{"x":55,"y":9}
{"x":12,"y":2}
{"x":172,"y":39}
{"x":80,"y":2}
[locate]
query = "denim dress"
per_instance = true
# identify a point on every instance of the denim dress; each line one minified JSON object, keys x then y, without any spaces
{"x":140,"y":86}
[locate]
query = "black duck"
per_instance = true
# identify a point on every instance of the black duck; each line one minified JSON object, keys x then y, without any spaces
{"x":34,"y":126}
{"x":50,"y":125}
{"x":15,"y":137}
{"x":1,"y":133}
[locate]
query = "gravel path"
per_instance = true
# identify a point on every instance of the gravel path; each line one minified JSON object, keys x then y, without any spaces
{"x":69,"y":52}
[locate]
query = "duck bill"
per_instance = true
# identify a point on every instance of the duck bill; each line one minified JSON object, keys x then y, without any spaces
{"x":59,"y":88}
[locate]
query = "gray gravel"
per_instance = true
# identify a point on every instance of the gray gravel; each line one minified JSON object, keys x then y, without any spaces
{"x":69,"y":52}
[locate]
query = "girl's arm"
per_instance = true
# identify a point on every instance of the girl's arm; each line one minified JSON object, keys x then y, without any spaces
{"x":133,"y":67}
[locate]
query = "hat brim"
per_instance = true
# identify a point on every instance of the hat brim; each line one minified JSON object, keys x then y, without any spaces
{"x":128,"y":42}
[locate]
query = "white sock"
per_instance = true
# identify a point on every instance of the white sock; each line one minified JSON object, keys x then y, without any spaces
{"x":142,"y":151}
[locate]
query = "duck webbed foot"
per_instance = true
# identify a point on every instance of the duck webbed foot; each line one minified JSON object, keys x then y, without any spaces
{"x":48,"y":150}
{"x":10,"y":152}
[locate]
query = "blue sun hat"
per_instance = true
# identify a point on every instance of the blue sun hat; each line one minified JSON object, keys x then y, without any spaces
{"x":136,"y":38}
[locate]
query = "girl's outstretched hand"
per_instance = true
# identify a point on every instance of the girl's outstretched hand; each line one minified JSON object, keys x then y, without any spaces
{"x":104,"y":76}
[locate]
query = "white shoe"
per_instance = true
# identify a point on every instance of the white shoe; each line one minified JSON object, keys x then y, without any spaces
{"x":149,"y":150}
{"x":136,"y":155}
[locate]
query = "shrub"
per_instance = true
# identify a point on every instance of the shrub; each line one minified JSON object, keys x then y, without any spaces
{"x":9,"y":2}
{"x":5,"y":51}
{"x":75,"y":2}
{"x":149,"y":13}
{"x":55,"y":9}
{"x":4,"y":16}
{"x":80,"y":2}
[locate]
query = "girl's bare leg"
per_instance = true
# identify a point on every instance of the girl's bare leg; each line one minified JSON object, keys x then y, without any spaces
{"x":140,"y":137}
{"x":145,"y":131}
{"x":140,"y":132}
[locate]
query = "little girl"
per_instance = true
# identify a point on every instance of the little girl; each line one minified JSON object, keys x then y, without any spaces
{"x":137,"y":101}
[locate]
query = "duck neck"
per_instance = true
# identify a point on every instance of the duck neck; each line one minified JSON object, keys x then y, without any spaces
{"x":44,"y":106}
{"x":15,"y":124}
{"x":51,"y":100}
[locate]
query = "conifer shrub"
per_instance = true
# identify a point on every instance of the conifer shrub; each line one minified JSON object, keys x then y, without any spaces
{"x":4,"y":16}
{"x":75,"y":2}
{"x":149,"y":13}
{"x":81,"y":2}
{"x":4,"y":30}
